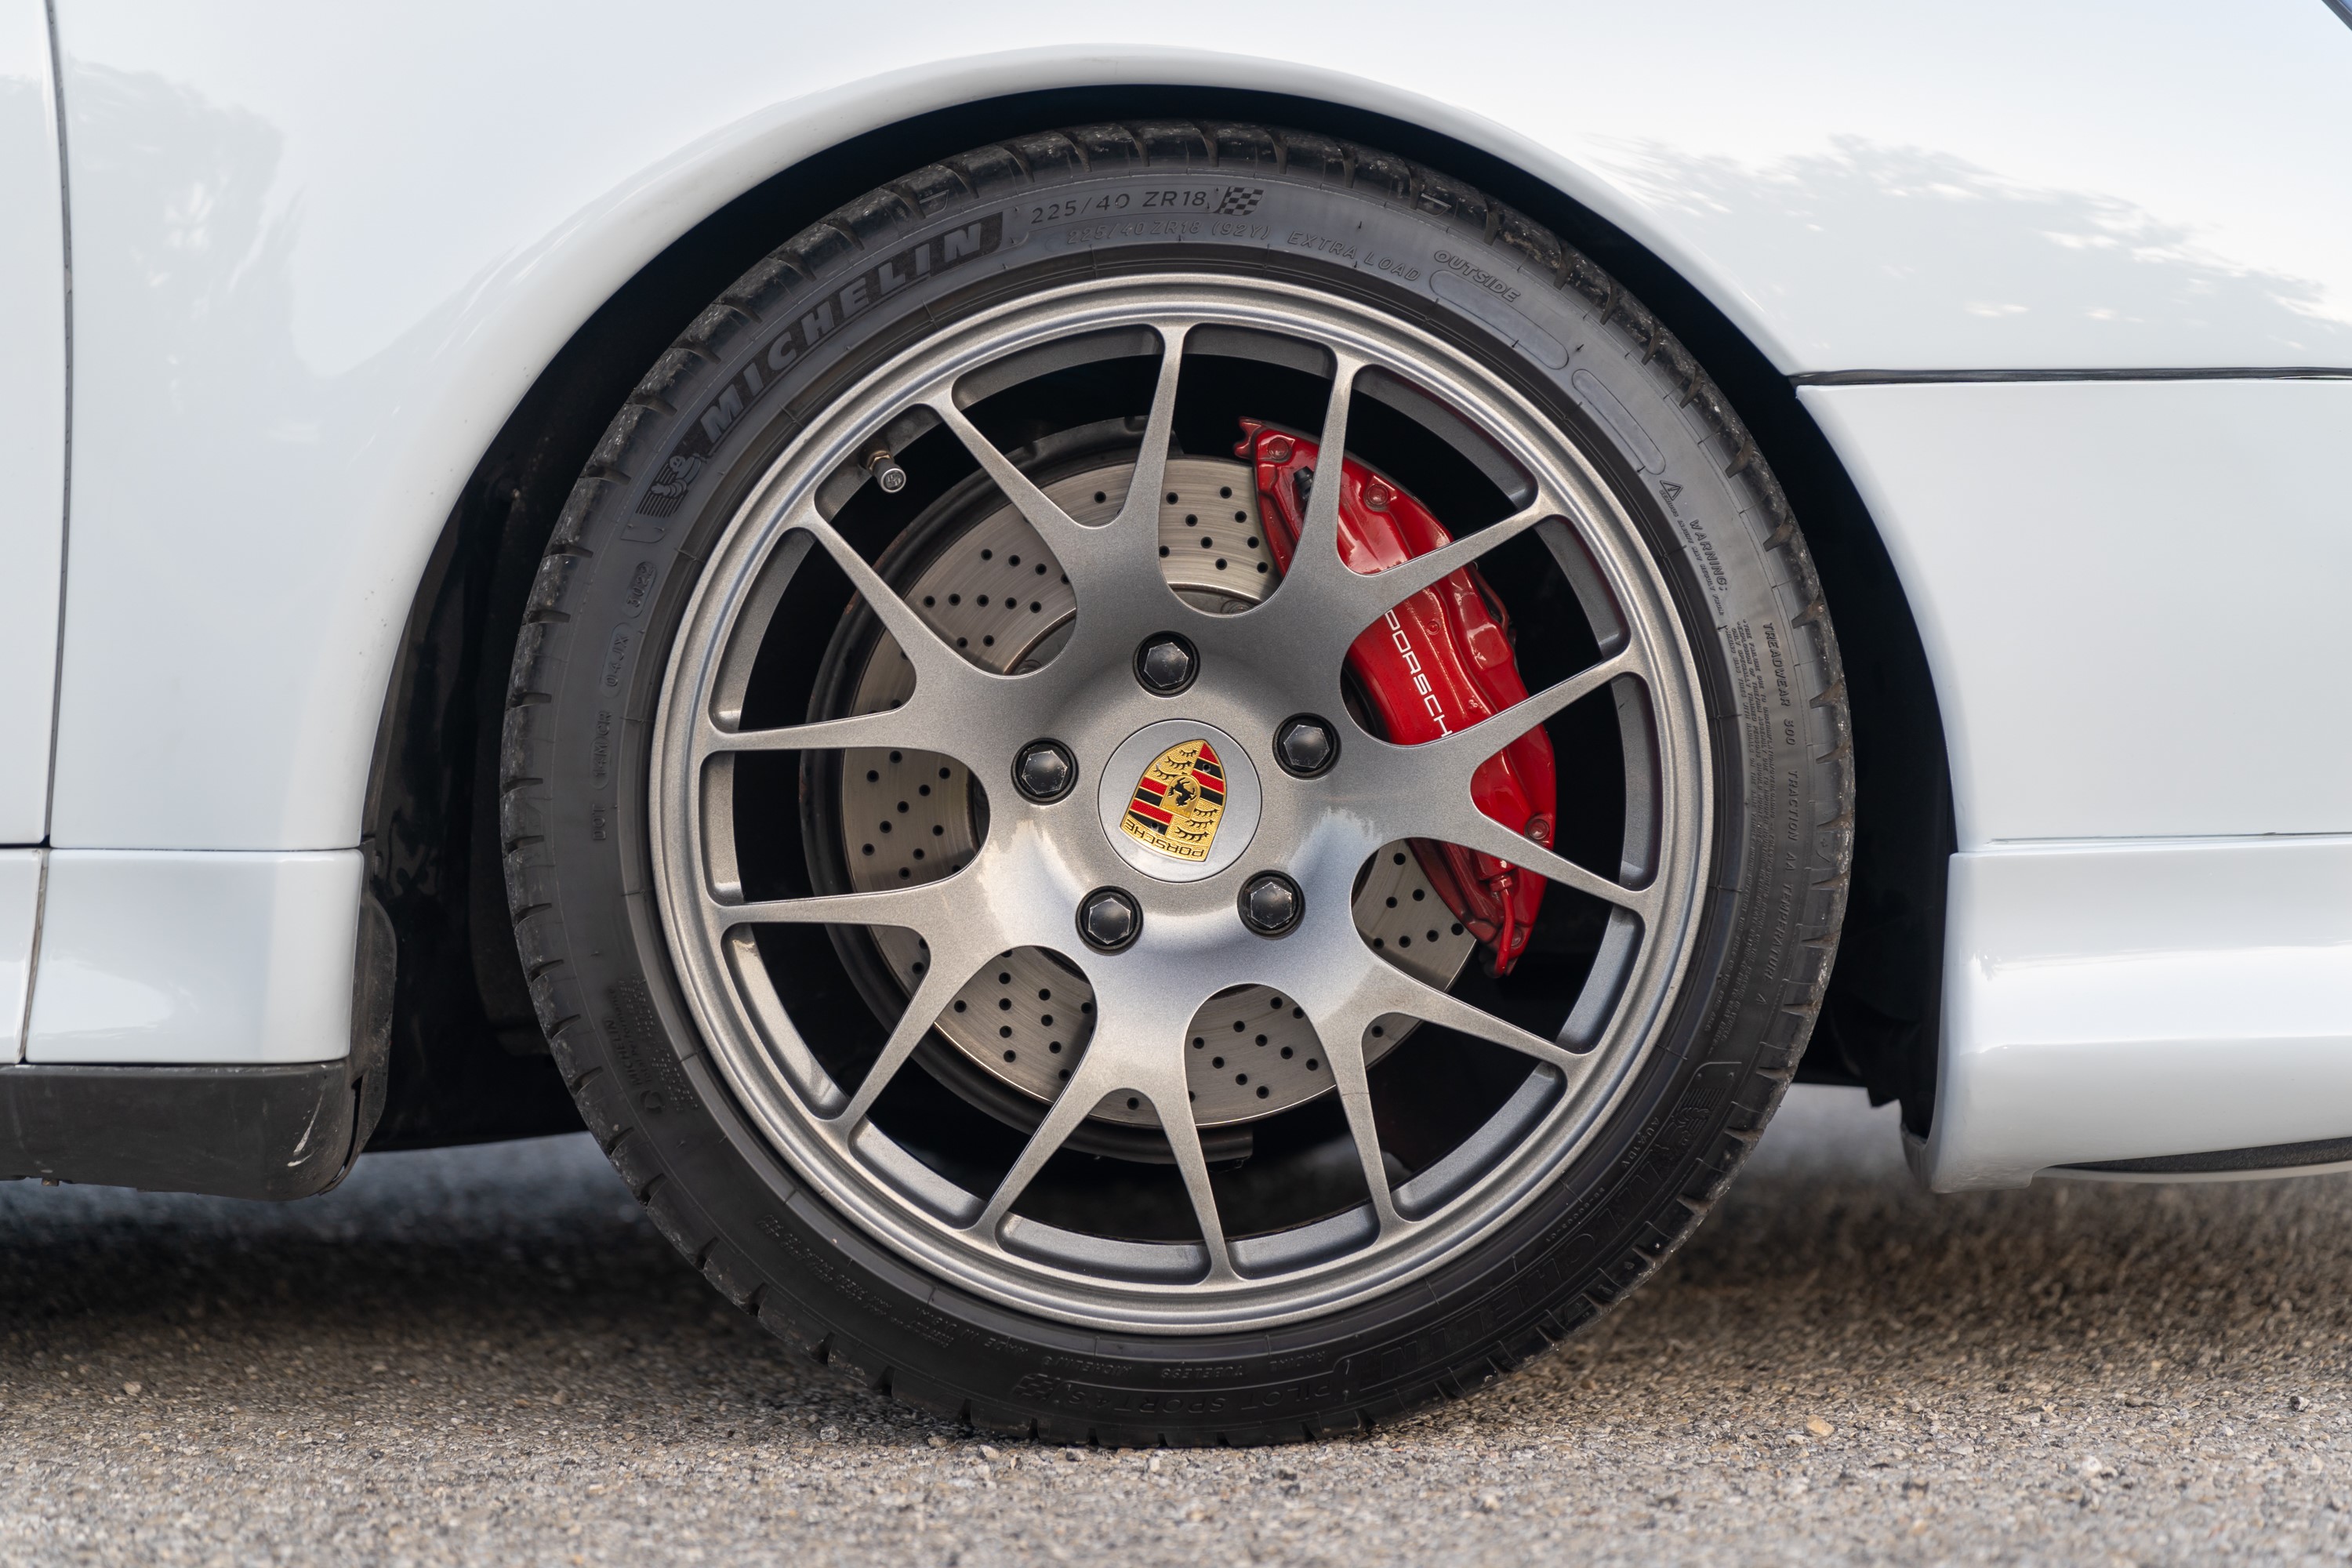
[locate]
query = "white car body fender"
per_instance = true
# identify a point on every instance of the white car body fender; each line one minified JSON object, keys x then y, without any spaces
{"x":2148,"y":946}
{"x":2117,"y":999}
{"x":320,"y":253}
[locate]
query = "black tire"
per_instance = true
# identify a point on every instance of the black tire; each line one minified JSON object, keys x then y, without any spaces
{"x":681,"y":454}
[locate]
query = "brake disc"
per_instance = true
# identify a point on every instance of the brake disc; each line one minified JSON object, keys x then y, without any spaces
{"x":997,"y":594}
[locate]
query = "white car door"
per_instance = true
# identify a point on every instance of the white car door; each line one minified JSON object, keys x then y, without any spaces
{"x":33,"y":453}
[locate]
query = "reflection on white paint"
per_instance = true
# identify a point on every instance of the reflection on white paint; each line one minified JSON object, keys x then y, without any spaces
{"x":2126,"y":1000}
{"x":2130,"y":595}
{"x":406,"y":210}
{"x":112,"y":1014}
{"x":20,"y":909}
{"x":170,"y":957}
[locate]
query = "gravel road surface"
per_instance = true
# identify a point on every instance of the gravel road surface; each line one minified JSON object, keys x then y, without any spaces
{"x":487,"y":1354}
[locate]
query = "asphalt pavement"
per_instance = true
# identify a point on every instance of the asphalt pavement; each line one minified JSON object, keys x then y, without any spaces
{"x":489,"y":1355}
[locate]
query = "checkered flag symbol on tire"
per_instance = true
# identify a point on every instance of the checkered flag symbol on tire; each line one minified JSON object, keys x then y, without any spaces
{"x":1239,"y":199}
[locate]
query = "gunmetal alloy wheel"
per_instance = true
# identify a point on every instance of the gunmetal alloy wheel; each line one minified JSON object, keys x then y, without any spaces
{"x":1278,"y":865}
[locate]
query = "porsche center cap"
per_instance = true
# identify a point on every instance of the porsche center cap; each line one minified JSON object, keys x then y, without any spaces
{"x":1179,"y":800}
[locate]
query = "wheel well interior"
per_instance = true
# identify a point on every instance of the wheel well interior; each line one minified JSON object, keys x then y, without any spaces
{"x":467,"y":1060}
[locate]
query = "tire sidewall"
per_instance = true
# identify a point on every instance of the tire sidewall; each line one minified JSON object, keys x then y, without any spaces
{"x":669,"y":478}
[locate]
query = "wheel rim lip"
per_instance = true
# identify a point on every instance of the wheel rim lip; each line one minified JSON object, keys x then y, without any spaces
{"x":1021,"y":1278}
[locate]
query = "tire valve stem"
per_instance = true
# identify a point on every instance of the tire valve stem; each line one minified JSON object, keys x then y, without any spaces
{"x":886,"y":470}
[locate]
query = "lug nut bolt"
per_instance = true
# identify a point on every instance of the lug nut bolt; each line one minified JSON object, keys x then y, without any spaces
{"x":1270,"y":903}
{"x":1044,"y":770}
{"x":1166,"y":664}
{"x":1109,"y":920}
{"x":1306,"y":746}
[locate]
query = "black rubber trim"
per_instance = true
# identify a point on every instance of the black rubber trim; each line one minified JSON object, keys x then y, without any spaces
{"x":1940,"y":378}
{"x":2270,"y":1157}
{"x":231,"y":1132}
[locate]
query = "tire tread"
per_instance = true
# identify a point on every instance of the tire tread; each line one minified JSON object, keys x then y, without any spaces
{"x":767,"y":293}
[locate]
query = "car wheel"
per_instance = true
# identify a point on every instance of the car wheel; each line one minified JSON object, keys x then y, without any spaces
{"x":1084,"y":910}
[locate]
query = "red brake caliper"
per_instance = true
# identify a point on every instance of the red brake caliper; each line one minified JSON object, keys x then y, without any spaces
{"x":1438,"y":663}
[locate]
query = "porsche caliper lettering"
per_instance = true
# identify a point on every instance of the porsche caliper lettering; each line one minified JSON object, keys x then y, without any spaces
{"x":1436,"y":664}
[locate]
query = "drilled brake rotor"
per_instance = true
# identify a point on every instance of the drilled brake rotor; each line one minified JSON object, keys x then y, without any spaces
{"x":996,"y":592}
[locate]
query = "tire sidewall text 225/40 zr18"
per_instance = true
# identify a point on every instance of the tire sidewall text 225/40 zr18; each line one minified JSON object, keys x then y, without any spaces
{"x":956,"y":239}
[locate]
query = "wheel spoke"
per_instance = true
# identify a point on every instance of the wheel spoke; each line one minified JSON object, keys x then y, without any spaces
{"x":951,"y":964}
{"x":1454,"y":757}
{"x":1317,"y":553}
{"x":933,"y":659}
{"x":1094,"y":1078}
{"x":1474,"y":829}
{"x":1374,"y":593}
{"x":923,"y":909}
{"x":1140,"y":512}
{"x":1062,"y":532}
{"x":902,"y":728}
{"x":1343,"y":1047}
{"x":1151,"y":1070}
{"x":1429,"y":788}
{"x":1398,"y":991}
{"x":1174,"y":1108}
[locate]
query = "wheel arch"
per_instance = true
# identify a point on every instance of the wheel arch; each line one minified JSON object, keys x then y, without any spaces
{"x":468,"y":1060}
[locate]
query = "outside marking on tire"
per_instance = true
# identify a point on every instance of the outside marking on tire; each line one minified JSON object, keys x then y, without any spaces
{"x":690,"y":455}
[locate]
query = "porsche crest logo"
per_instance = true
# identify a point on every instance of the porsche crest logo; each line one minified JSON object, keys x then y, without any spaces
{"x":1178,"y":801}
